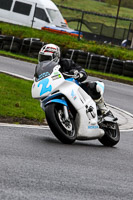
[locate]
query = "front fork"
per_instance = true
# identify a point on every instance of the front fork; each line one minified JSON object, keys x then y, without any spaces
{"x":65,"y":111}
{"x":66,"y":114}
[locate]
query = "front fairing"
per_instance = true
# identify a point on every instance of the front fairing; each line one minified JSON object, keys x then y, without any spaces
{"x":47,"y":81}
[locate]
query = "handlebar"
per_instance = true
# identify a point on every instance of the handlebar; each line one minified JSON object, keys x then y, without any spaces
{"x":70,"y":75}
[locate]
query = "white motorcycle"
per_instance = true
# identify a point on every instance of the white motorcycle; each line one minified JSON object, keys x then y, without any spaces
{"x":70,"y":112}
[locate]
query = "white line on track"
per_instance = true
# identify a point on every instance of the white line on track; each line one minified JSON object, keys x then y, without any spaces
{"x":127,"y":113}
{"x":130,"y":130}
{"x":40,"y":127}
{"x":24,"y":126}
{"x":16,"y":75}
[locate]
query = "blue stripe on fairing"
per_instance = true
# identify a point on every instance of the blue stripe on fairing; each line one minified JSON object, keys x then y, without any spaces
{"x":53,"y":96}
{"x":57,"y":101}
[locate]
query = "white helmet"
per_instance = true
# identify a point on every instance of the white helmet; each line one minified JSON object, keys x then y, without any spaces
{"x":49,"y":52}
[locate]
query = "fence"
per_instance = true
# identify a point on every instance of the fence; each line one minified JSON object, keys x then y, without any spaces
{"x":31,"y":47}
{"x":90,"y":22}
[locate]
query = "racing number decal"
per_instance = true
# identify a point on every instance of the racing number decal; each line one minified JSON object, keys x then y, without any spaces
{"x":44,"y":84}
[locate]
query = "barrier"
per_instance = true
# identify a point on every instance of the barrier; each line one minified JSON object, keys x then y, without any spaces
{"x":101,"y":63}
{"x":11,"y":43}
{"x":128,"y":68}
{"x":26,"y":46}
{"x":1,"y":40}
{"x":117,"y":67}
{"x":31,"y":47}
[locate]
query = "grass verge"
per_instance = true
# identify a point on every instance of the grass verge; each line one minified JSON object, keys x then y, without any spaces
{"x":17,"y":56}
{"x":67,"y":42}
{"x":112,"y":77}
{"x":17,"y":103}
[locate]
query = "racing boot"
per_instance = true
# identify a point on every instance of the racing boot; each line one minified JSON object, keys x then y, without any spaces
{"x":103,"y":108}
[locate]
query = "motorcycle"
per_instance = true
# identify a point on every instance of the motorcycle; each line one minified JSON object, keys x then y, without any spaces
{"x":70,"y":112}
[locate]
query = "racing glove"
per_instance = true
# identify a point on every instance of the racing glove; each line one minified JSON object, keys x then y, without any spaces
{"x":76,"y":73}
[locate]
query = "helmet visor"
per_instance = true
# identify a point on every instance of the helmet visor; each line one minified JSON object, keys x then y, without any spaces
{"x":42,"y":58}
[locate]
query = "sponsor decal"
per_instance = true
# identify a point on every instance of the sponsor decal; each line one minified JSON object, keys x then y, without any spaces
{"x":93,"y":127}
{"x":56,"y":77}
{"x":45,"y":74}
{"x":73,"y":95}
{"x":56,"y":73}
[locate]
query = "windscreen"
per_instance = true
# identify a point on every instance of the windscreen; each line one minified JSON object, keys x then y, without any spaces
{"x":44,"y":69}
{"x":56,"y":17}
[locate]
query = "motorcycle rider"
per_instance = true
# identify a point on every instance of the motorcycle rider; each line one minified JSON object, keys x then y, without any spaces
{"x":95,"y":89}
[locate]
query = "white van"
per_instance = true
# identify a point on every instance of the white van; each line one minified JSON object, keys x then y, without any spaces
{"x":32,"y":13}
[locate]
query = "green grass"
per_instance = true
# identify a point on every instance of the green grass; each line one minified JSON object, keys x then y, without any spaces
{"x":113,"y":77}
{"x":16,"y":99}
{"x":18,"y":56}
{"x":27,"y":32}
{"x":95,"y":6}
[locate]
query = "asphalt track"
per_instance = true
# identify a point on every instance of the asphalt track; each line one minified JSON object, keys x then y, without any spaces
{"x":34,"y":165}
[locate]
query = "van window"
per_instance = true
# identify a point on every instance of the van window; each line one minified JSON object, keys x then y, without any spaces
{"x":54,"y":15}
{"x":41,"y":14}
{"x":22,"y":8}
{"x":6,"y":5}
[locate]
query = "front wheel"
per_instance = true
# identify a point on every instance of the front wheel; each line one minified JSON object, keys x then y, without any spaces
{"x":112,"y":134}
{"x":64,"y":130}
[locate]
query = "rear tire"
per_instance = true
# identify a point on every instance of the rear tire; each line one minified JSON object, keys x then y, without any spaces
{"x":65,"y":131}
{"x":112,"y":134}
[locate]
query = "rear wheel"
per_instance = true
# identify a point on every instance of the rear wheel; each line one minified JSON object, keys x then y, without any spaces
{"x":112,"y":134}
{"x":64,"y":130}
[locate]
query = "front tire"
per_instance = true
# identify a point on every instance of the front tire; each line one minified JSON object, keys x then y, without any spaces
{"x":64,"y":130}
{"x":112,"y":134}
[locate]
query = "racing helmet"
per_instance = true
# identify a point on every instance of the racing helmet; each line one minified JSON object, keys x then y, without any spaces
{"x":49,"y":52}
